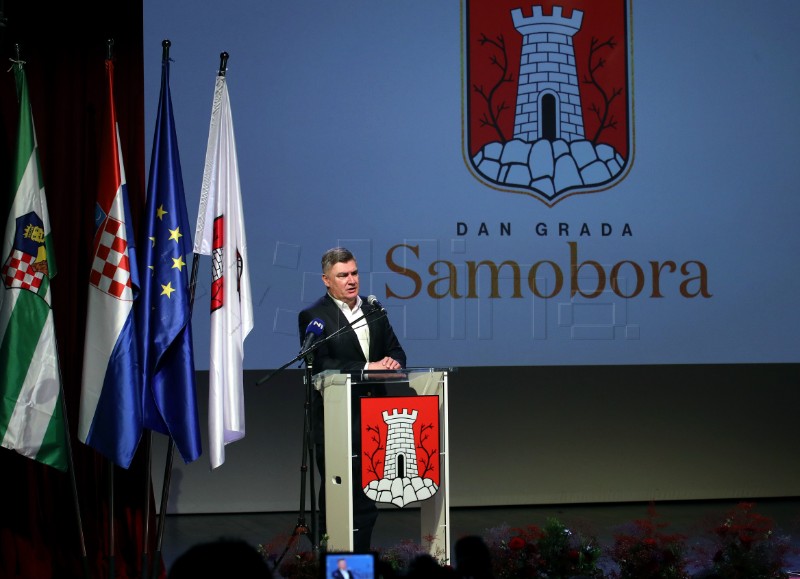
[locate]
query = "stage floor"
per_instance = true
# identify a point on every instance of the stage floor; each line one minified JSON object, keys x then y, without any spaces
{"x":694,"y":519}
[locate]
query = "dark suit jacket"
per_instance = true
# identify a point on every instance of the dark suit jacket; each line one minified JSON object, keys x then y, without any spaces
{"x":338,"y":575}
{"x":344,"y":352}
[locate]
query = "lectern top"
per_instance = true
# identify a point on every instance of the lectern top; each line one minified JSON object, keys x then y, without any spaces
{"x":332,"y":377}
{"x":381,"y":375}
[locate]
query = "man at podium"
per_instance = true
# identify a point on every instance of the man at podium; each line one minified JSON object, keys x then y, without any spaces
{"x":368,"y":344}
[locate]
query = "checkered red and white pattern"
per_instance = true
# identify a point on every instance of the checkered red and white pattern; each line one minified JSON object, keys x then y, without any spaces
{"x":111,"y":271}
{"x":17,"y":272}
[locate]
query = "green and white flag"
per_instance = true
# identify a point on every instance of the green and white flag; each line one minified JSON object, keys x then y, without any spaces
{"x":31,"y":413}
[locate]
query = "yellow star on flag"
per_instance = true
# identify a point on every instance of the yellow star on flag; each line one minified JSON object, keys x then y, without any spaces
{"x":160,"y":212}
{"x":167,"y":289}
{"x":175,"y":233}
{"x":177,"y":262}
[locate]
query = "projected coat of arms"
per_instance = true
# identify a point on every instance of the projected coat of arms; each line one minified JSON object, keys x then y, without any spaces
{"x":548,"y":95}
{"x":400,"y":448}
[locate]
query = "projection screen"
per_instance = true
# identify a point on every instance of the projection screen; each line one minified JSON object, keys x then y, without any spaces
{"x":523,"y":183}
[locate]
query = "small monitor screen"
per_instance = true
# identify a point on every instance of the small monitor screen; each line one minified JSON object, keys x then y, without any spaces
{"x":361,"y":565}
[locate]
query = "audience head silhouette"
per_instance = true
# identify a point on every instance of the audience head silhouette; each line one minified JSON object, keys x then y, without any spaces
{"x":473,"y":559}
{"x":221,"y":558}
{"x":425,"y":566}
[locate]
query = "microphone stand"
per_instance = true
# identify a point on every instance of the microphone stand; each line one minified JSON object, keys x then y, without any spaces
{"x":307,"y":457}
{"x":312,"y":348}
{"x":308,"y":441}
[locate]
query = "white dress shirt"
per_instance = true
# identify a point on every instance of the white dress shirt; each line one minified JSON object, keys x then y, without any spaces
{"x":361,"y":328}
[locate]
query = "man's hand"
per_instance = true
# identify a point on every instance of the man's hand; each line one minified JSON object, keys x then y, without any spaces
{"x":386,"y":364}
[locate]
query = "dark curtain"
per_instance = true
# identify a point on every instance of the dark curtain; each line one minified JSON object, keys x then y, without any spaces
{"x":64,"y":47}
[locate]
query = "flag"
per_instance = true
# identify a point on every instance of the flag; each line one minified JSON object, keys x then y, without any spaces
{"x":31,"y":411}
{"x":220,"y":233}
{"x":110,"y":418}
{"x":164,"y":307}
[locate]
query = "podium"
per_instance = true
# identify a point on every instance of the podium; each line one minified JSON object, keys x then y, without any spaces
{"x":337,"y":391}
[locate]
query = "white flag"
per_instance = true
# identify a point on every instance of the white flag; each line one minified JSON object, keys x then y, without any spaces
{"x":220,"y":233}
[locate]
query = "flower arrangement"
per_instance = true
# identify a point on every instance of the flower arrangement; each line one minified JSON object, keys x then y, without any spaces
{"x":553,"y":552}
{"x":746,"y":546}
{"x":292,"y":562}
{"x":513,"y":551}
{"x":749,"y":547}
{"x":400,"y":557}
{"x":646,"y":552}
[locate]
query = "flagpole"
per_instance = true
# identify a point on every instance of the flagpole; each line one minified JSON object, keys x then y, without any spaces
{"x":109,"y":463}
{"x":111,"y":551}
{"x":146,"y":522}
{"x":72,"y":479}
{"x":165,"y":44}
{"x":74,"y":485}
{"x":162,"y":515}
{"x":165,"y":488}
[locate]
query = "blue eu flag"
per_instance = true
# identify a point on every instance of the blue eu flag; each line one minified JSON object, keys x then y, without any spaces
{"x":164,"y":315}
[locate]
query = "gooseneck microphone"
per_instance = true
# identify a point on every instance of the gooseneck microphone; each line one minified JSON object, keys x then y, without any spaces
{"x":373,"y":301}
{"x":313,"y":331}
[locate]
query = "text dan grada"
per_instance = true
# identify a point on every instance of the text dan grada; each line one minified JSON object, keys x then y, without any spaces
{"x":541,"y":229}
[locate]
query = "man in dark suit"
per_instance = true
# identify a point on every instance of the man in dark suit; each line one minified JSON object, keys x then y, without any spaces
{"x":368,"y":344}
{"x":341,"y":571}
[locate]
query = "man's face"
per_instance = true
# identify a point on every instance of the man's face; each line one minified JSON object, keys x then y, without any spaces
{"x":342,"y":281}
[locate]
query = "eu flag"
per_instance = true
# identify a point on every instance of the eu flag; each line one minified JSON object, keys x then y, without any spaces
{"x":164,"y":315}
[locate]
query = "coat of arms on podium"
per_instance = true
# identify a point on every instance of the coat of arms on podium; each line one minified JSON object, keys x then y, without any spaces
{"x":400,"y":446}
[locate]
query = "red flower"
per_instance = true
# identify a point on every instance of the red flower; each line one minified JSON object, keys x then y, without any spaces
{"x":516,"y":544}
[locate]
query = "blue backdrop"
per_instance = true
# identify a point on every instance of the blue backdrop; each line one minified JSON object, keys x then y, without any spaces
{"x":352,"y":124}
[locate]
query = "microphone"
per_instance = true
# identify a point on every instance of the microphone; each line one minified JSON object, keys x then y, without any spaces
{"x":313,"y":331}
{"x":373,"y":301}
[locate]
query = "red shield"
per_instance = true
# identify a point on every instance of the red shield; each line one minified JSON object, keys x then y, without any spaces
{"x":400,"y":446}
{"x":548,"y":95}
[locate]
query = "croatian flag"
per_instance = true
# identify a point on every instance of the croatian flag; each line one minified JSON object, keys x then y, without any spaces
{"x":111,"y":395}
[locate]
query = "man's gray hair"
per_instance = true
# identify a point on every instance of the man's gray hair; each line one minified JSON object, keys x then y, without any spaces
{"x":335,"y":255}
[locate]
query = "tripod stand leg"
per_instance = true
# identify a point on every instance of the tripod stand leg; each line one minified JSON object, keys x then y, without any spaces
{"x":315,"y":538}
{"x":306,"y":462}
{"x":308,"y":455}
{"x":307,"y":459}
